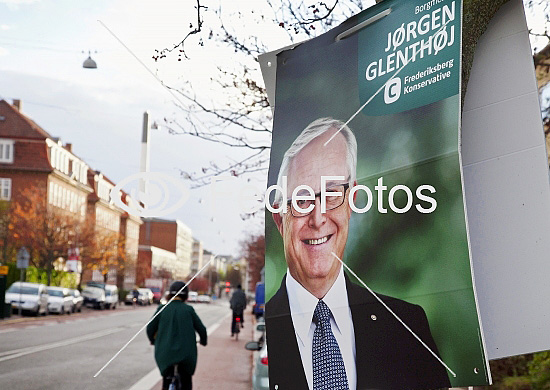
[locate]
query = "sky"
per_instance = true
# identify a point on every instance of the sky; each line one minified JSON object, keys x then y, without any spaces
{"x":43,"y":44}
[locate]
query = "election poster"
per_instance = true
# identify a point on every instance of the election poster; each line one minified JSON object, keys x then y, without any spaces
{"x":366,"y":210}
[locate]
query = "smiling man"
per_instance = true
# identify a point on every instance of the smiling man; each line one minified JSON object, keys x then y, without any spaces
{"x":324,"y":332}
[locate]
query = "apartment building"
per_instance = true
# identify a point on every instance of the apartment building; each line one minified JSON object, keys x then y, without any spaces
{"x":172,"y":236}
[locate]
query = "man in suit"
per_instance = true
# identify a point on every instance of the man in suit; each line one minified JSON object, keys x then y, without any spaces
{"x":323,"y":331}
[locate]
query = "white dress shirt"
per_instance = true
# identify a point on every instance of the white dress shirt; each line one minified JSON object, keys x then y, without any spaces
{"x":302,"y":305}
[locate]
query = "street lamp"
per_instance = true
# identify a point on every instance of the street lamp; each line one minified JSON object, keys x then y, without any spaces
{"x":89,"y":63}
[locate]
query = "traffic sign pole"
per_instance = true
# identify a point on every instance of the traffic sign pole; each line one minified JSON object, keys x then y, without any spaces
{"x":23,"y":258}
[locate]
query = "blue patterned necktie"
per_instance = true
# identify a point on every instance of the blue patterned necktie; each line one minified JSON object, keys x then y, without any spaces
{"x":329,"y":372}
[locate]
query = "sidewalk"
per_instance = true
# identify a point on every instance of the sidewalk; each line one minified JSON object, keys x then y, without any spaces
{"x":224,"y":363}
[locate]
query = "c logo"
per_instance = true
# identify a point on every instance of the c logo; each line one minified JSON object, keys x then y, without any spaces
{"x":392,"y":91}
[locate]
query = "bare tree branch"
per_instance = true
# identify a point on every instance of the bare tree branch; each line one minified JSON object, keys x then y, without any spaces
{"x":195,"y":29}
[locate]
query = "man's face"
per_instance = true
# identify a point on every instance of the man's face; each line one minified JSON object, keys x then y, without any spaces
{"x":309,"y":240}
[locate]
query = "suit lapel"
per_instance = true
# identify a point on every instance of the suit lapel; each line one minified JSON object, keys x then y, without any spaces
{"x":287,"y":364}
{"x":365,"y":313}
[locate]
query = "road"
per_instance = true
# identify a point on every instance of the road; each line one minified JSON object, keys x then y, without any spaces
{"x":64,"y":352}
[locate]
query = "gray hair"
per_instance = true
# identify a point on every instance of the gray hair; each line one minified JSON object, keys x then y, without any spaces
{"x":312,"y":131}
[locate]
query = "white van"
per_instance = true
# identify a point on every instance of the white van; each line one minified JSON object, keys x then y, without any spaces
{"x":100,"y":295}
{"x":111,"y":296}
{"x":29,"y":297}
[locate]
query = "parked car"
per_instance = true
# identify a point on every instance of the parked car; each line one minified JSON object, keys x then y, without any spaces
{"x":129,"y":299}
{"x":111,"y":296}
{"x":78,"y":300}
{"x":59,"y":300}
{"x":164,"y":299}
{"x":259,"y":300}
{"x":146,"y":296}
{"x":29,"y":297}
{"x":106,"y":299}
{"x":193,"y":296}
{"x":94,"y":297}
{"x":260,"y":379}
{"x":157,"y":293}
{"x":204,"y":298}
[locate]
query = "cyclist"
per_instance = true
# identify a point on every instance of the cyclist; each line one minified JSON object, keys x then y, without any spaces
{"x":238,"y":304}
{"x":135,"y":297}
{"x":172,"y":333}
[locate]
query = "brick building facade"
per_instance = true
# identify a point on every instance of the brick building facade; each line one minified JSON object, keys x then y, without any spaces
{"x":169,"y":235}
{"x":31,"y":159}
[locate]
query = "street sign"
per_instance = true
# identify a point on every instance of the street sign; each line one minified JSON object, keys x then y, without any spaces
{"x":4,"y":270}
{"x":23,"y":258}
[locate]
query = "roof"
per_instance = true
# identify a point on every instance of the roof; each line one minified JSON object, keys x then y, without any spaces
{"x":17,"y":125}
{"x":29,"y":156}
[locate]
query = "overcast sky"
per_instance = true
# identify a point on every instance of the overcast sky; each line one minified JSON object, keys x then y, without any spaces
{"x":100,"y":111}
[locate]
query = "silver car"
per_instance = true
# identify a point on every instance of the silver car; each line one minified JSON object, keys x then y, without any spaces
{"x":78,"y":300}
{"x":146,"y":296}
{"x":260,"y":378}
{"x":29,"y":297}
{"x":59,"y":300}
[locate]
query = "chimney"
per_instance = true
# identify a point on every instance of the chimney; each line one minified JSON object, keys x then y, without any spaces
{"x":17,"y":104}
{"x":69,"y":147}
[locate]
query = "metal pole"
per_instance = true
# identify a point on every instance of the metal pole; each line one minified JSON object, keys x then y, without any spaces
{"x":20,"y":311}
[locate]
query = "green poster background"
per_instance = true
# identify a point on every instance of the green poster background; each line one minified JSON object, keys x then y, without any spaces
{"x":420,"y":258}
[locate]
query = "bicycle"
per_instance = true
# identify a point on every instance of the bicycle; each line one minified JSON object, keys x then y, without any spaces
{"x":175,"y":382}
{"x":236,"y":328}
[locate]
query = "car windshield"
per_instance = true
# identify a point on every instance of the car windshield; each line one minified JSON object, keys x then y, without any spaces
{"x":155,"y":289}
{"x":29,"y":290}
{"x":55,"y":293}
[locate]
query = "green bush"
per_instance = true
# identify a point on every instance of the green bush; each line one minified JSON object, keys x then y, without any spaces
{"x":515,"y":383}
{"x":539,"y":371}
{"x":59,"y":278}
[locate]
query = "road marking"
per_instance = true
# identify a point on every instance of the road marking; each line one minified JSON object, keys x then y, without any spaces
{"x":153,"y":377}
{"x":8,"y":330}
{"x":8,"y":355}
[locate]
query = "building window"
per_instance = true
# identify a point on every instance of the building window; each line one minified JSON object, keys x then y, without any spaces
{"x":6,"y":151}
{"x":5,"y":189}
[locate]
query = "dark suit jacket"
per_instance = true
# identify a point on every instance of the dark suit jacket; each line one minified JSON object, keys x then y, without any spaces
{"x":387,"y":355}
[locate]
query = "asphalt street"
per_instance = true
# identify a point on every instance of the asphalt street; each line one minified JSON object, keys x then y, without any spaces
{"x":64,"y":352}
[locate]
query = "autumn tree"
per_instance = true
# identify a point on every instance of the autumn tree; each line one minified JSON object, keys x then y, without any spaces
{"x":104,"y":251}
{"x":233,"y":275}
{"x":44,"y":229}
{"x":201,"y":285}
{"x":253,"y":250}
{"x":7,"y":247}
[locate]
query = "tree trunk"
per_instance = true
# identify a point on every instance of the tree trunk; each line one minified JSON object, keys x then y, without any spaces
{"x":49,"y":264}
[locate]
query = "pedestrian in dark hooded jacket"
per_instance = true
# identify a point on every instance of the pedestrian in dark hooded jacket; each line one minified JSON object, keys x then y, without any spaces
{"x":173,"y":334}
